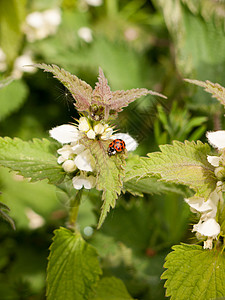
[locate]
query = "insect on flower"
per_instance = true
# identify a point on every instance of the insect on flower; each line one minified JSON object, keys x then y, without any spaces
{"x":115,"y":146}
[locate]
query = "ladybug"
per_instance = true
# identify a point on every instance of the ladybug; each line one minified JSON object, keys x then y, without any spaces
{"x":115,"y":146}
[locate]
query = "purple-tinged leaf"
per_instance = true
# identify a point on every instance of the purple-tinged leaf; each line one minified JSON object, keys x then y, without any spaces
{"x":123,"y":98}
{"x":215,"y":89}
{"x":80,"y":90}
{"x":102,"y":93}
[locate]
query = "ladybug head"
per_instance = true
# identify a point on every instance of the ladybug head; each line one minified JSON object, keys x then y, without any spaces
{"x":111,"y":151}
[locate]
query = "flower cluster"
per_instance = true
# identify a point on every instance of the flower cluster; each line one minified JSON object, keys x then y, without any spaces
{"x":208,"y":209}
{"x":39,"y":25}
{"x":75,"y":157}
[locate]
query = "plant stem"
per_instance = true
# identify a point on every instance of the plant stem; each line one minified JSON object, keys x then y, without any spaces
{"x":74,"y":207}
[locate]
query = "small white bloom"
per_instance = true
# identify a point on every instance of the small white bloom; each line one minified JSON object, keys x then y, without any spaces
{"x":216,"y":138}
{"x":99,"y":128}
{"x":41,"y":24}
{"x":23,"y":64}
{"x":209,"y":228}
{"x":85,"y":161}
{"x":35,"y":220}
{"x":85,"y":34}
{"x":130,"y":143}
{"x":91,"y":134}
{"x":65,"y":152}
{"x":65,"y":134}
{"x":69,"y":166}
{"x":107,"y":134}
{"x":52,"y":17}
{"x":213,"y":160}
{"x":202,"y":206}
{"x":35,"y":19}
{"x":83,"y":124}
{"x":3,"y":64}
{"x":83,"y":181}
{"x":77,"y":148}
{"x":94,"y":2}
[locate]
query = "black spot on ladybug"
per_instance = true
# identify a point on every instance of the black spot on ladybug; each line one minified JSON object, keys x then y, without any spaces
{"x":115,"y":146}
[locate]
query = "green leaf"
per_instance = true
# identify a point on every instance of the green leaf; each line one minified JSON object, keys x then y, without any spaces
{"x":73,"y":268}
{"x":111,"y":288}
{"x":215,"y":89}
{"x":110,"y":172}
{"x":193,"y":273}
{"x":12,"y":97}
{"x":12,"y":14}
{"x":34,"y":159}
{"x":5,"y":216}
{"x":184,"y":163}
{"x":151,"y":186}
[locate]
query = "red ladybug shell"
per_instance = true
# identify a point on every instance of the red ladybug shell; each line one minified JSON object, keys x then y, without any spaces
{"x":115,"y":146}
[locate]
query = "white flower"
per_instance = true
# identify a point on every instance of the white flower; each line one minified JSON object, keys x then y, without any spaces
{"x":66,"y":152}
{"x":107,"y":134}
{"x":65,"y":133}
{"x":99,"y":128}
{"x":130,"y":143}
{"x":35,"y":220}
{"x":209,"y":228}
{"x":91,"y":134}
{"x":83,"y":124}
{"x":3,"y":64}
{"x":69,"y":166}
{"x":85,"y":34}
{"x":23,"y":64}
{"x":83,"y":181}
{"x":41,"y":24}
{"x":216,"y":138}
{"x":85,"y":161}
{"x":213,"y":160}
{"x":94,"y":2}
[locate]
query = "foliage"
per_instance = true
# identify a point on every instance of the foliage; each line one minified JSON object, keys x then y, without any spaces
{"x":141,"y":46}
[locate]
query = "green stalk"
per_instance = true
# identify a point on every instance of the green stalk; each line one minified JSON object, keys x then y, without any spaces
{"x":74,"y":207}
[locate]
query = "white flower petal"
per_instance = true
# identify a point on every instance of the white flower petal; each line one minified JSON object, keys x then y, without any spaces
{"x":208,"y":228}
{"x":216,"y":138}
{"x":66,"y":152}
{"x":130,"y":143}
{"x":213,"y":160}
{"x":107,"y":134}
{"x":83,"y":124}
{"x":199,"y":204}
{"x":77,"y":148}
{"x":80,"y":181}
{"x":91,"y":134}
{"x":69,"y":166}
{"x":90,"y":182}
{"x":65,"y":133}
{"x":208,"y":243}
{"x":86,"y":34}
{"x":60,"y":159}
{"x":85,"y":161}
{"x":99,"y":128}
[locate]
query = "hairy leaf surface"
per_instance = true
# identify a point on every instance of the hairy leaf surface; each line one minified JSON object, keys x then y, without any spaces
{"x":73,"y":268}
{"x":34,"y":159}
{"x":193,"y":273}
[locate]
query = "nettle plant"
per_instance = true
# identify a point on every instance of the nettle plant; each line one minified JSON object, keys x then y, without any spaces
{"x":89,"y":154}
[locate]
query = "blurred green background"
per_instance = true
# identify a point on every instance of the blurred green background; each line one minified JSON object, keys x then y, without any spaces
{"x":152,"y":44}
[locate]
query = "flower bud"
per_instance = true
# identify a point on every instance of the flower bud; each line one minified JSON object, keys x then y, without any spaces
{"x":83,"y":124}
{"x":91,"y":134}
{"x":99,"y":128}
{"x":220,"y":173}
{"x":69,"y":166}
